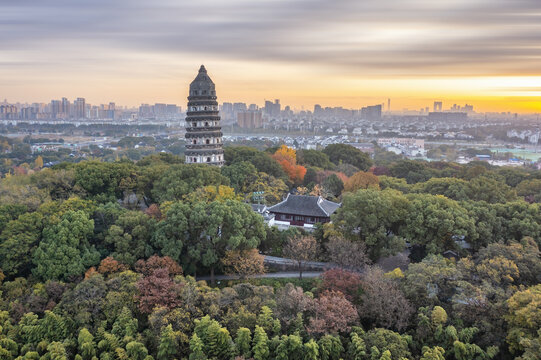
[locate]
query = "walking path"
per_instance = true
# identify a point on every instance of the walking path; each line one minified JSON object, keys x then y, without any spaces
{"x":276,"y":275}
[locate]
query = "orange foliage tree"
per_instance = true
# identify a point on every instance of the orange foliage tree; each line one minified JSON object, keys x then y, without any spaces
{"x":287,"y":158}
{"x":361,"y":180}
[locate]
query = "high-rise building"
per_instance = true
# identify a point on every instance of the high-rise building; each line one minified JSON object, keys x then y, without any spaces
{"x":80,"y":108}
{"x":437,"y":106}
{"x":203,"y":130}
{"x":371,"y":112}
{"x":388,"y":105}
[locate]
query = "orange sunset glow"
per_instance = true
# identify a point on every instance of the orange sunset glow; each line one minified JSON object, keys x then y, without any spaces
{"x":343,"y":53}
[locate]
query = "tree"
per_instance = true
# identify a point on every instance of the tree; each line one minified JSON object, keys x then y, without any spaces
{"x":172,"y":232}
{"x":244,"y":263}
{"x":430,"y":281}
{"x":241,"y":175}
{"x":87,"y":349}
{"x":301,"y":249}
{"x":333,"y":185}
{"x":339,"y":153}
{"x":382,"y":301}
{"x":260,"y":348}
{"x":380,"y":340}
{"x":103,"y":179}
{"x":374,"y":218}
{"x":65,"y":250}
{"x":330,"y":347}
{"x":136,"y":351}
{"x":17,"y":241}
{"x":242,"y":343}
{"x":287,"y":158}
{"x":219,"y":344}
{"x":130,"y":236}
{"x":361,"y":180}
{"x":435,"y":353}
{"x":314,"y":158}
{"x":220,"y":226}
{"x":333,"y":313}
{"x":483,"y":188}
{"x":346,"y":282}
{"x":157,"y":290}
{"x":434,"y":222}
{"x":261,"y":160}
{"x":291,"y":301}
{"x":180,"y":180}
{"x":197,"y":348}
{"x":156,"y":262}
{"x":110,"y":266}
{"x":311,"y":350}
{"x":39,"y":162}
{"x":168,"y":347}
{"x":347,"y":254}
{"x":452,"y":188}
{"x":524,"y":319}
{"x":530,"y":190}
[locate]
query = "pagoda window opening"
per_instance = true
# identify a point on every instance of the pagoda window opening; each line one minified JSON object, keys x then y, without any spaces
{"x":208,"y":141}
{"x":208,"y":159}
{"x":194,"y":124}
{"x":194,"y":141}
{"x":206,"y":123}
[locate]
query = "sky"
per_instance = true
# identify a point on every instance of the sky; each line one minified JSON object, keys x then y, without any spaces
{"x":347,"y":53}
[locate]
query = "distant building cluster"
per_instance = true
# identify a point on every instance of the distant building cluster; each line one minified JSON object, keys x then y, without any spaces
{"x":161,"y":111}
{"x":79,"y":109}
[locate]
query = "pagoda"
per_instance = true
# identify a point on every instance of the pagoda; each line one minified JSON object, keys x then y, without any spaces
{"x":203,"y":131}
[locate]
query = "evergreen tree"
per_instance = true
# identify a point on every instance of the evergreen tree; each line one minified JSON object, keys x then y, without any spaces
{"x":168,"y":347}
{"x":242,"y":342}
{"x":260,"y":348}
{"x":219,"y":342}
{"x":197,"y":348}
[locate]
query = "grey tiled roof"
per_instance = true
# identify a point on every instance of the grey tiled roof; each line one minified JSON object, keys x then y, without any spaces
{"x":305,"y":205}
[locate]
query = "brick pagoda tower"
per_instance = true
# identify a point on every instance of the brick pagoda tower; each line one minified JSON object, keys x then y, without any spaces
{"x":203,"y":130}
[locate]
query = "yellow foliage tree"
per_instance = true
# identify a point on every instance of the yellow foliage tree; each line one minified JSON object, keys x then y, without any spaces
{"x":38,"y":162}
{"x":361,"y":180}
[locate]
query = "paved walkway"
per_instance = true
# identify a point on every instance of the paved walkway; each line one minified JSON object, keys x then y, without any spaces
{"x":276,"y":275}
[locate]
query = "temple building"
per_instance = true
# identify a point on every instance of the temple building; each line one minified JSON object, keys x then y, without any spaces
{"x":203,"y":130}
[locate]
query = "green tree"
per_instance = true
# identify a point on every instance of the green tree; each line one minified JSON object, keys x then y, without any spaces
{"x":241,"y":175}
{"x":168,"y":346}
{"x":130,"y":236}
{"x":314,"y":158}
{"x":333,"y":185}
{"x":260,"y":348}
{"x":434,"y":222}
{"x":85,"y":340}
{"x":375,"y":218}
{"x":17,"y":241}
{"x":330,"y":347}
{"x":218,"y":226}
{"x":180,"y":180}
{"x":339,"y":153}
{"x":136,"y":351}
{"x":171,"y":233}
{"x":311,"y":350}
{"x":197,"y":348}
{"x":65,"y":250}
{"x":219,"y":344}
{"x":242,"y":343}
{"x":524,"y":319}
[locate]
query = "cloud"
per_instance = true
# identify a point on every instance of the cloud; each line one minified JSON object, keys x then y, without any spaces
{"x":371,"y":37}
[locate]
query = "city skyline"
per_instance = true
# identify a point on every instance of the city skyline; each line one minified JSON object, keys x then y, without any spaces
{"x":306,"y":52}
